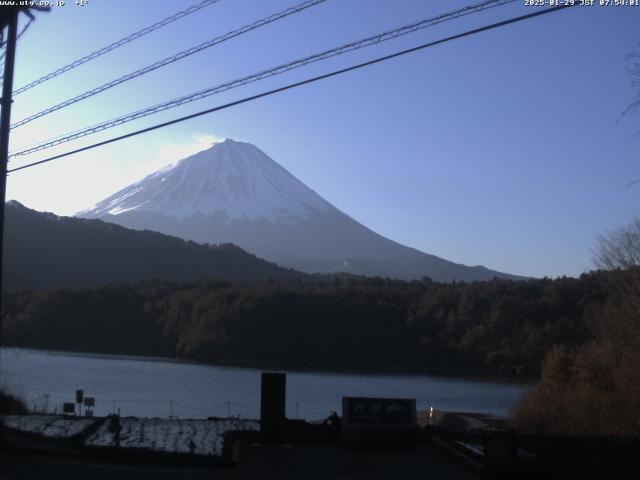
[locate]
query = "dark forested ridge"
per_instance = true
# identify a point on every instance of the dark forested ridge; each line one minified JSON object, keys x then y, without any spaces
{"x":341,"y":322}
{"x":43,"y":250}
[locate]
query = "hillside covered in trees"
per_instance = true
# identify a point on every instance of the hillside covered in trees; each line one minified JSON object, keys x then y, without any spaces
{"x":593,"y":388}
{"x":339,"y":323}
{"x":43,"y":250}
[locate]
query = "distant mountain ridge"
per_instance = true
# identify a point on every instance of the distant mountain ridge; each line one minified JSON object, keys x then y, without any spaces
{"x":233,"y":192}
{"x":43,"y":250}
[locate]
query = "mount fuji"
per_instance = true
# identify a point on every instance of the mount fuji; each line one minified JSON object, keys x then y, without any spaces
{"x":233,"y":192}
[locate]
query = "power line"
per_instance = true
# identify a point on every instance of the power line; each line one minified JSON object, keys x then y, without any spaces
{"x":170,"y":59}
{"x":300,"y":83}
{"x":366,"y":42}
{"x":24,"y":29}
{"x":116,"y":44}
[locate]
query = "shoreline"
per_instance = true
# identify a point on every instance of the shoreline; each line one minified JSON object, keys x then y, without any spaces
{"x":470,"y":374}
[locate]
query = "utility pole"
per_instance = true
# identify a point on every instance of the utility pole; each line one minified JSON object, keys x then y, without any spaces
{"x":9,"y":18}
{"x":5,"y":126}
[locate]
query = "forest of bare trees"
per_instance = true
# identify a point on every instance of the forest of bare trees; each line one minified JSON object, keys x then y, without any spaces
{"x":594,"y":388}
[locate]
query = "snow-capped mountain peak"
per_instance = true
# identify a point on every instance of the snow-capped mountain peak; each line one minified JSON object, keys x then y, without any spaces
{"x":233,"y":192}
{"x":233,"y":179}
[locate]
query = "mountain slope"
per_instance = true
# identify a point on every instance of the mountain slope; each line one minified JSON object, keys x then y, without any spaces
{"x":43,"y":250}
{"x":233,"y":192}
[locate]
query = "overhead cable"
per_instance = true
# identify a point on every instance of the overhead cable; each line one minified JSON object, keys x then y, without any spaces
{"x":169,"y":60}
{"x":116,"y":44}
{"x":366,"y":42}
{"x":492,"y":26}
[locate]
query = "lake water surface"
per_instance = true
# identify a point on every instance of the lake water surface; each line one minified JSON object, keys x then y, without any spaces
{"x":141,"y":386}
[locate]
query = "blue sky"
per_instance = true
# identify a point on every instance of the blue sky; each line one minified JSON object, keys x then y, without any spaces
{"x":504,"y":149}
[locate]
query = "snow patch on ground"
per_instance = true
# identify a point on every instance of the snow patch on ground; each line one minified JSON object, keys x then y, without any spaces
{"x":49,"y":426}
{"x":195,"y":436}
